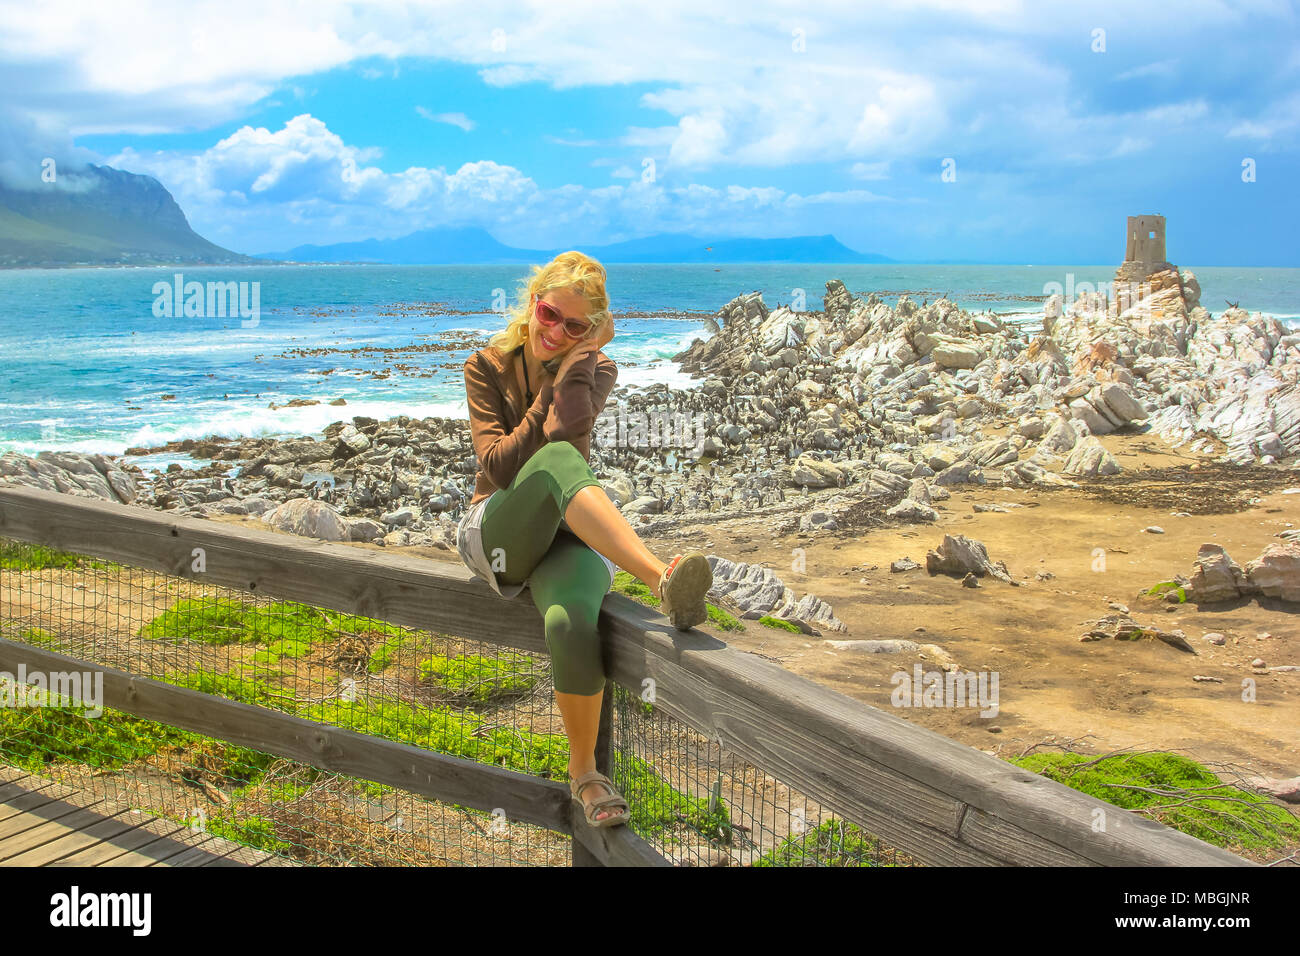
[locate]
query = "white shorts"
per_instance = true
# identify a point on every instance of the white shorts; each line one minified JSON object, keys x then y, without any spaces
{"x":469,"y":542}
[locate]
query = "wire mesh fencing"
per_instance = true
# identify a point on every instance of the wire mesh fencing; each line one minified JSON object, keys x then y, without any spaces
{"x":693,"y":801}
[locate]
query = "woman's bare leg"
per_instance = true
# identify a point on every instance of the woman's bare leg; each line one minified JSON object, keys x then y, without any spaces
{"x":581,"y":715}
{"x":595,"y":519}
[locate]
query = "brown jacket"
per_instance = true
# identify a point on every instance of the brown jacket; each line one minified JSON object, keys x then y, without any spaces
{"x":505,"y":434}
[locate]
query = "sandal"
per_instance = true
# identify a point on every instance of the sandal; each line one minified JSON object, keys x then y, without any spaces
{"x":682,"y":588}
{"x":614,"y":801}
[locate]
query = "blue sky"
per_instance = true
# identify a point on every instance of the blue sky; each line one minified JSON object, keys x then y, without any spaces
{"x":563,"y":124}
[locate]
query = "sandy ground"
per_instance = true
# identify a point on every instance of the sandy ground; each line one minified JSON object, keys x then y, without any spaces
{"x":1119,"y":694}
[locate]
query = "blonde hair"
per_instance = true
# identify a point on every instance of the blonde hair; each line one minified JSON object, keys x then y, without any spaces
{"x":569,"y":270}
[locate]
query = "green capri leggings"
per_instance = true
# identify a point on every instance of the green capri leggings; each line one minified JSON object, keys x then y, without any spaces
{"x":568,"y":580}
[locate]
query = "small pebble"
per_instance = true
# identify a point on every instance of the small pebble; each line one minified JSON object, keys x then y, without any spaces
{"x":1154,"y":529}
{"x":1207,"y":680}
{"x":1258,"y":662}
{"x":1214,"y":637}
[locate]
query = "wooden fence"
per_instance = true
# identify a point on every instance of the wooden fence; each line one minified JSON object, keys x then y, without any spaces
{"x":939,"y":801}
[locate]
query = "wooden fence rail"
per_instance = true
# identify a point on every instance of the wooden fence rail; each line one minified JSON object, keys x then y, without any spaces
{"x":938,"y":800}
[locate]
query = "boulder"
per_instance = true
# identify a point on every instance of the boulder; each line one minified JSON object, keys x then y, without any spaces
{"x":956,"y":354}
{"x":309,"y":518}
{"x":960,"y":555}
{"x":1276,"y":572}
{"x":814,"y":473}
{"x":1090,"y":459}
{"x":1216,"y":576}
{"x":910,"y":510}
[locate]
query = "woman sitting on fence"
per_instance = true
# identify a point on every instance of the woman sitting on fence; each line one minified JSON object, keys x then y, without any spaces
{"x":539,"y":516}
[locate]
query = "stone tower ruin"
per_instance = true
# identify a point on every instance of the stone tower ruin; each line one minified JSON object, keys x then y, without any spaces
{"x":1144,"y":251}
{"x":1144,"y":256}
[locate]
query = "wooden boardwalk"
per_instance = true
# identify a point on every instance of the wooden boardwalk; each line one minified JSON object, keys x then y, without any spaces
{"x":44,"y":823}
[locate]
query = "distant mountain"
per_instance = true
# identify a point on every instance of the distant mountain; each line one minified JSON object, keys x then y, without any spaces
{"x":474,"y":245}
{"x":426,"y":247}
{"x":99,"y":216}
{"x":679,"y":247}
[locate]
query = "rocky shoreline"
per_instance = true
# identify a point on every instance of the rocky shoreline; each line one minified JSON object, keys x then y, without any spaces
{"x":813,"y":421}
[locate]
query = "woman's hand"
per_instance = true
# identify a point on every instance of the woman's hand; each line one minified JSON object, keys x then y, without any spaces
{"x":575,"y":355}
{"x":582,"y":349}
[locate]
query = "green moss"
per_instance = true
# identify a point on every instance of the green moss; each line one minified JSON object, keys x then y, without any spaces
{"x":654,"y":804}
{"x":481,"y":680}
{"x":1177,"y":792}
{"x":277,"y":650}
{"x":768,"y":621}
{"x":234,"y":687}
{"x":833,"y":843}
{"x":254,"y":831}
{"x":1157,"y":590}
{"x":632,"y":586}
{"x":285,"y":792}
{"x":722,"y":620}
{"x":384,"y":654}
{"x":286,"y":625}
{"x":33,"y":738}
{"x":21,"y":556}
{"x":39,"y":637}
{"x":448,"y":731}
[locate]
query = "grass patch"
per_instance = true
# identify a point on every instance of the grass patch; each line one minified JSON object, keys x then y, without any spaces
{"x":768,"y":621}
{"x":1175,"y":791}
{"x":481,"y":680}
{"x":833,"y":843}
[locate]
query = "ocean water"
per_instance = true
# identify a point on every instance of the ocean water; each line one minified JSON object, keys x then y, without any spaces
{"x":85,"y":361}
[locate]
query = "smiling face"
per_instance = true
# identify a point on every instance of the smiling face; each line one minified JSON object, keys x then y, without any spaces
{"x":550,"y":342}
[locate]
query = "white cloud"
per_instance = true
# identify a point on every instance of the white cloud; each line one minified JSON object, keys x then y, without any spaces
{"x":452,"y":119}
{"x":870,"y":171}
{"x":1278,"y":118}
{"x":262,"y":190}
{"x":1159,"y":68}
{"x":875,"y":82}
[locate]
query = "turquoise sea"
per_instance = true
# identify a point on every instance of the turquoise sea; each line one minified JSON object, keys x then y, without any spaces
{"x":85,"y":361}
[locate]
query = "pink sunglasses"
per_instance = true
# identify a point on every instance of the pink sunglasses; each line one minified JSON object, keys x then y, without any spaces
{"x":550,"y":317}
